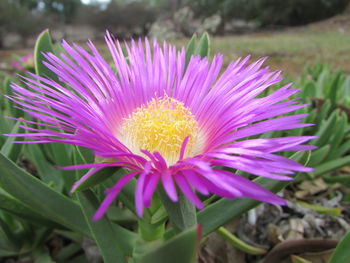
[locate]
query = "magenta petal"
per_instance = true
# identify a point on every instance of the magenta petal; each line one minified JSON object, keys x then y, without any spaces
{"x":183,"y":147}
{"x":112,"y":194}
{"x":86,"y":166}
{"x":219,"y":182}
{"x":152,"y":182}
{"x":195,"y":181}
{"x":139,"y":194}
{"x":84,"y":178}
{"x":251,"y":189}
{"x":139,"y":191}
{"x":169,"y":186}
{"x":186,"y":189}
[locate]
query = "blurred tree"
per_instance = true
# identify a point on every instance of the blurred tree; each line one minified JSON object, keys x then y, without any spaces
{"x":15,"y":16}
{"x":27,"y":17}
{"x":270,"y":12}
{"x":124,"y":20}
{"x":30,"y":4}
{"x":65,"y":8}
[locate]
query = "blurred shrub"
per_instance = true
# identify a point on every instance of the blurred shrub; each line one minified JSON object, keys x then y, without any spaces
{"x":28,"y":17}
{"x":66,"y":9}
{"x":290,"y":12}
{"x":124,"y":20}
{"x":16,"y":17}
{"x":271,"y":12}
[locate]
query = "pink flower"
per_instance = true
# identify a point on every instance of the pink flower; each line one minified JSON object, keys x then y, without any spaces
{"x":166,"y":123}
{"x":17,"y":66}
{"x":24,"y":63}
{"x":28,"y":60}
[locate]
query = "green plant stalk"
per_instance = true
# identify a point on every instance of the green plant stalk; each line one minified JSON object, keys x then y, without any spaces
{"x":151,"y":232}
{"x":182,"y":214}
{"x":297,"y":259}
{"x":237,"y":243}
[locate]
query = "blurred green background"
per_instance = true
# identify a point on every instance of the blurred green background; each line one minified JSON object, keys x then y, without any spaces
{"x":288,"y":32}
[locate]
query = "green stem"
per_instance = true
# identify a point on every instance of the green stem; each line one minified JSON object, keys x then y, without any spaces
{"x":182,"y":214}
{"x":236,"y":242}
{"x":151,"y":232}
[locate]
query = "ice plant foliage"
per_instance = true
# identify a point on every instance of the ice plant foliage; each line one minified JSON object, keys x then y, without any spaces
{"x":166,"y":122}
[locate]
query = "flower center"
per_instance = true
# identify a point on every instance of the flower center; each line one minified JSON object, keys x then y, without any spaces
{"x":161,"y":126}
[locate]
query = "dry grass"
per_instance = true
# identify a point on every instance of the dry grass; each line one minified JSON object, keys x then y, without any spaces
{"x":288,"y":50}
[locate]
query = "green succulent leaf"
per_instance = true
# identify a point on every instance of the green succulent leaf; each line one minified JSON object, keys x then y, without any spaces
{"x":203,"y":46}
{"x":47,"y":173}
{"x":43,"y":44}
{"x":11,"y":149}
{"x":342,"y":251}
{"x":112,"y":240}
{"x":331,"y":165}
{"x":191,"y":47}
{"x":15,"y":207}
{"x":42,"y":199}
{"x":182,"y":248}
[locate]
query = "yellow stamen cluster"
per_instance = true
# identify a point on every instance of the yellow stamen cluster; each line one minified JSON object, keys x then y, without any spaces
{"x":161,"y":126}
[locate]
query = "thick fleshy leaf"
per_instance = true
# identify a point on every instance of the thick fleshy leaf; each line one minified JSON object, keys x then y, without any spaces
{"x":5,"y":127}
{"x":98,"y":177}
{"x":331,"y":165}
{"x":47,"y":173}
{"x":182,"y":213}
{"x":43,"y":44}
{"x":42,"y":199}
{"x":182,"y":248}
{"x":15,"y":207}
{"x":8,"y":236}
{"x":319,"y":155}
{"x":326,"y":129}
{"x":341,"y":128}
{"x":62,"y":156}
{"x":10,"y":149}
{"x":191,"y":47}
{"x":342,"y":251}
{"x":343,"y":179}
{"x":203,"y":46}
{"x":113,"y":241}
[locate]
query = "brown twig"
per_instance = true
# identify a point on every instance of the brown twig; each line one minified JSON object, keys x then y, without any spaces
{"x":287,"y":248}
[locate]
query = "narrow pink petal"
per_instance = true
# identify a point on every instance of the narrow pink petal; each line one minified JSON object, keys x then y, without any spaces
{"x":251,"y":189}
{"x":169,"y":186}
{"x":86,"y":166}
{"x":161,"y":160}
{"x":152,"y":182}
{"x":186,"y":189}
{"x":253,"y":166}
{"x":112,"y":194}
{"x":139,"y":203}
{"x":195,"y":181}
{"x":183,"y":147}
{"x":84,"y":178}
